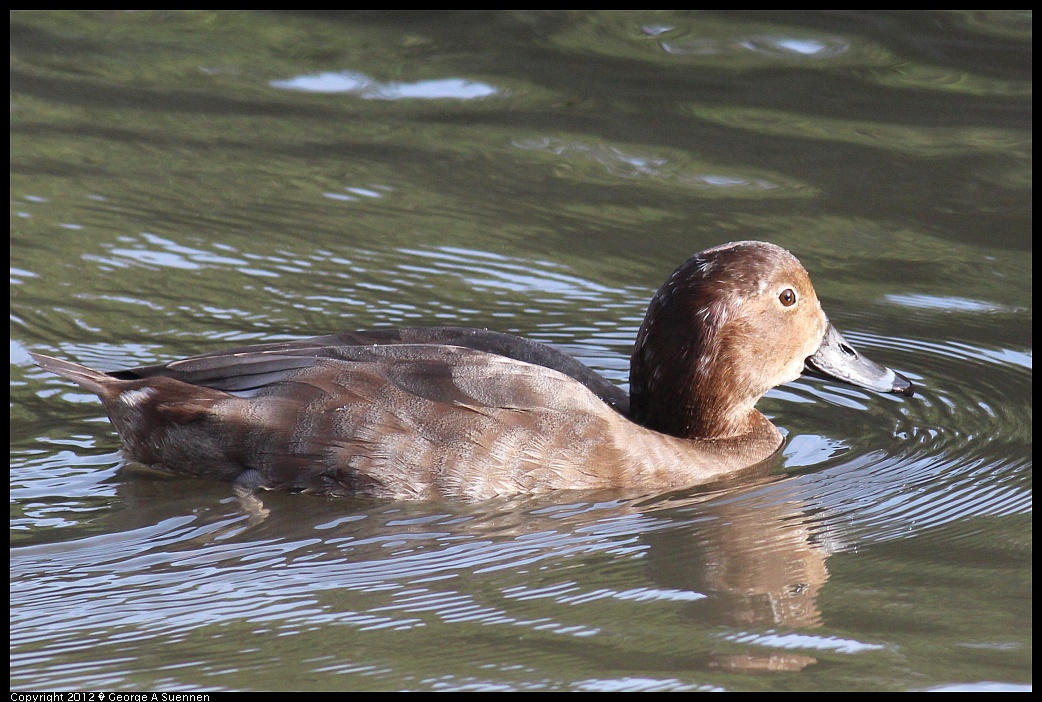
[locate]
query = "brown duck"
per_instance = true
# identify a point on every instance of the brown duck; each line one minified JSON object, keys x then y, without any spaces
{"x":454,"y":413}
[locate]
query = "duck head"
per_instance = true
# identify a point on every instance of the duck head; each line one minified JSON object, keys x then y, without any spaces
{"x":732,"y":322}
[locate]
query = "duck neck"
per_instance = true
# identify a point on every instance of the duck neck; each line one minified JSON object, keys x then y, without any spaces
{"x":680,"y":405}
{"x":681,"y":382}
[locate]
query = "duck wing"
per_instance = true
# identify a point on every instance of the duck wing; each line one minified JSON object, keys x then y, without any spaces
{"x":247,"y":369}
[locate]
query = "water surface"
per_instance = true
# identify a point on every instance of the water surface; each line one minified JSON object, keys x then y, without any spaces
{"x":182,"y":181}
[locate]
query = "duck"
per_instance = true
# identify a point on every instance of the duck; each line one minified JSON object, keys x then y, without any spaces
{"x":450,"y":413}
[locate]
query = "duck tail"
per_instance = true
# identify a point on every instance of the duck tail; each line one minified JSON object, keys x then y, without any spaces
{"x":99,"y":383}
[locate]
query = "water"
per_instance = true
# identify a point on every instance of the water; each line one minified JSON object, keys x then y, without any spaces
{"x":182,"y":181}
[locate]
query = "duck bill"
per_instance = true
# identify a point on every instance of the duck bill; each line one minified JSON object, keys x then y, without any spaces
{"x":837,"y":359}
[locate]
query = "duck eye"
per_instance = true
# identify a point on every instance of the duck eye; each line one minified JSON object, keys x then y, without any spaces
{"x":787,"y":297}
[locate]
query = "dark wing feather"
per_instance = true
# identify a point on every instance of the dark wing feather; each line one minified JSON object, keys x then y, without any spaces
{"x":248,"y":368}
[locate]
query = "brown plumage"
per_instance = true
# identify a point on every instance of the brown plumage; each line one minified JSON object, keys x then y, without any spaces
{"x":446,"y":412}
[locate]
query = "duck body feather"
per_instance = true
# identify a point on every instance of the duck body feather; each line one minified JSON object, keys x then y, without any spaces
{"x":455,"y":413}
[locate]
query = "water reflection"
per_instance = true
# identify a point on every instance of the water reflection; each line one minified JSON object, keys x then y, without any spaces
{"x":739,"y":42}
{"x":747,"y":560}
{"x":948,"y":303}
{"x":923,"y":141}
{"x":365,"y":87}
{"x":773,"y":46}
{"x":703,"y":179}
